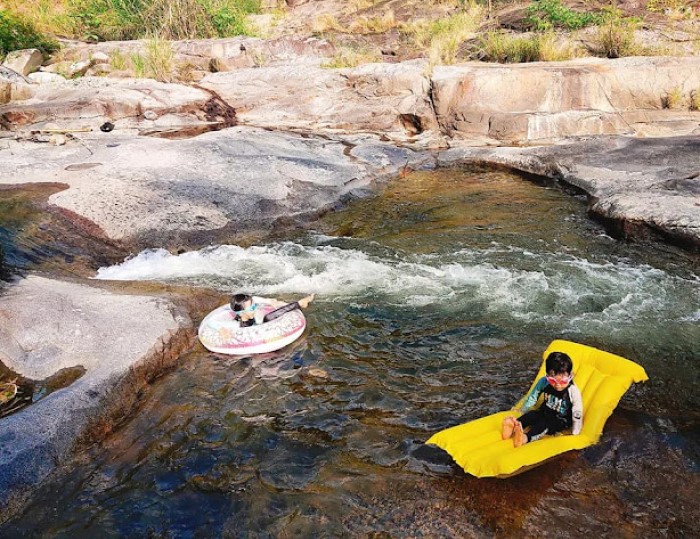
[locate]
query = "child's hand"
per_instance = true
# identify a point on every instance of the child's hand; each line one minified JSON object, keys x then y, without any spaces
{"x":304,"y":302}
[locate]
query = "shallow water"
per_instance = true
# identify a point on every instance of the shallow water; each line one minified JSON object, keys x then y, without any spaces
{"x":434,"y":304}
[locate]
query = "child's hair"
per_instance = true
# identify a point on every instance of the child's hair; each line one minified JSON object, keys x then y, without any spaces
{"x":237,"y":301}
{"x":559,"y":362}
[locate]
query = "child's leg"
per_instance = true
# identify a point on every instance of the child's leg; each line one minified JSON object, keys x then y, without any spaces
{"x":507,"y":427}
{"x":536,"y":420}
{"x":269,"y":317}
{"x":519,"y":436}
{"x":554,"y":424}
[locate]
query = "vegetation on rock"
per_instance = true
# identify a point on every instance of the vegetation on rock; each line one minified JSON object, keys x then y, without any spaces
{"x":18,"y":33}
{"x":135,"y":19}
{"x":442,"y":31}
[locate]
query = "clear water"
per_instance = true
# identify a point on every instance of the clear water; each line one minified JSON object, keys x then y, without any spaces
{"x":434,"y":304}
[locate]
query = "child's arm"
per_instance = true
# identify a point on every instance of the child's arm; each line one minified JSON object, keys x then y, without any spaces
{"x":532,"y":397}
{"x":269,"y":301}
{"x":576,"y":409}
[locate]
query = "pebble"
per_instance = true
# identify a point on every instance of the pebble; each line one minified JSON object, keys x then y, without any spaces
{"x":318,"y":373}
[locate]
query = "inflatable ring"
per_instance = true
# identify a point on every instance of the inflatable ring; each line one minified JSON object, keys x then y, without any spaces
{"x":219,"y":332}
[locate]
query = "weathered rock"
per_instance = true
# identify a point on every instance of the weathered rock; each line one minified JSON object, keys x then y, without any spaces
{"x":99,"y":57}
{"x":13,"y":86}
{"x":24,"y":61}
{"x":61,"y":68}
{"x":545,"y":102}
{"x":5,"y":92}
{"x":10,"y":75}
{"x":155,"y":192}
{"x":13,"y":91}
{"x":92,"y":101}
{"x":227,"y":54}
{"x":41,"y":77}
{"x":77,"y":69}
{"x":387,"y":98}
{"x":75,"y":325}
{"x":98,"y":70}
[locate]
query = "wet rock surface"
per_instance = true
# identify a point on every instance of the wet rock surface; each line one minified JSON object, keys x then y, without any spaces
{"x":645,"y":189}
{"x":49,"y":325}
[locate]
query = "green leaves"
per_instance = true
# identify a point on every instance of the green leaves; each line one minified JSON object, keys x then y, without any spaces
{"x":544,"y":15}
{"x":16,"y":33}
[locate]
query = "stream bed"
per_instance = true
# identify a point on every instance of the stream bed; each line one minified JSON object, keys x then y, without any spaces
{"x":434,"y":303}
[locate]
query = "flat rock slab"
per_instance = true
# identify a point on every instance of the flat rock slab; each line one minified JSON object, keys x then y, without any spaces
{"x":91,"y":101}
{"x":148,"y":190}
{"x":47,"y":325}
{"x":649,"y":182}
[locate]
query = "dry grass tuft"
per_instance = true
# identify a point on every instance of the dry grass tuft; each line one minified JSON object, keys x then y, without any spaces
{"x":348,"y":57}
{"x":443,"y":37}
{"x":159,"y":59}
{"x":374,"y":25}
{"x":695,"y":100}
{"x":508,"y":48}
{"x":673,"y":99}
{"x":326,"y":23}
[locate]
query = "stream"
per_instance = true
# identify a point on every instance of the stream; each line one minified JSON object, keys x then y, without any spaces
{"x":434,"y":303}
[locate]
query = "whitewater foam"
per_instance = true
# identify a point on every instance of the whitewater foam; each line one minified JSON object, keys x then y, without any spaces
{"x":497,"y":279}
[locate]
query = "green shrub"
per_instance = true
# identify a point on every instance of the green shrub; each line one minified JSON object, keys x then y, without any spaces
{"x":168,"y":19}
{"x":17,"y":33}
{"x":545,"y":15}
{"x":228,"y":18}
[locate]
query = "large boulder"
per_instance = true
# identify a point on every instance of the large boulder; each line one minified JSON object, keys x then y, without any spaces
{"x":392,"y":99}
{"x":545,"y":102}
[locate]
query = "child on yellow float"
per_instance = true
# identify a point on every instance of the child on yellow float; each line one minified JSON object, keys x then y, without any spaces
{"x":561,"y":409}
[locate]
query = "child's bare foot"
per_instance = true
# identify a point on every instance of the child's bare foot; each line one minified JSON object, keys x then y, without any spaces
{"x":519,"y":436}
{"x":507,"y":427}
{"x":304,"y":302}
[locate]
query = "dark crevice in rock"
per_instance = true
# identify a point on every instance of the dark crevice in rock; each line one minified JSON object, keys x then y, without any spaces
{"x":644,"y":232}
{"x":121,"y":401}
{"x":412,"y":123}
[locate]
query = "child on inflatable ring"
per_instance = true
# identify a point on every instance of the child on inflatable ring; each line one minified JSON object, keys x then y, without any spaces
{"x":245,"y":308}
{"x":561,"y":409}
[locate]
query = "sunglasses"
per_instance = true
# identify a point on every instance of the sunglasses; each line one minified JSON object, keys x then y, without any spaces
{"x":247,"y":309}
{"x":560,"y":379}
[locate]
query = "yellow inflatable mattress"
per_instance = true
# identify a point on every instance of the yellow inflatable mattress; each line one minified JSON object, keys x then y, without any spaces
{"x":602,"y":378}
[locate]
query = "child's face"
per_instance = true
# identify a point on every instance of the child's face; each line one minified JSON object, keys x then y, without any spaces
{"x":559,"y":381}
{"x":248,"y":311}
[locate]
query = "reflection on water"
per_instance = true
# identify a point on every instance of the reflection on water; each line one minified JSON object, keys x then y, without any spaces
{"x":34,"y":236}
{"x":434,"y":303}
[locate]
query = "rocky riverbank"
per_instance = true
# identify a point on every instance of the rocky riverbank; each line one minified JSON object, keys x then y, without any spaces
{"x":293,"y":140}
